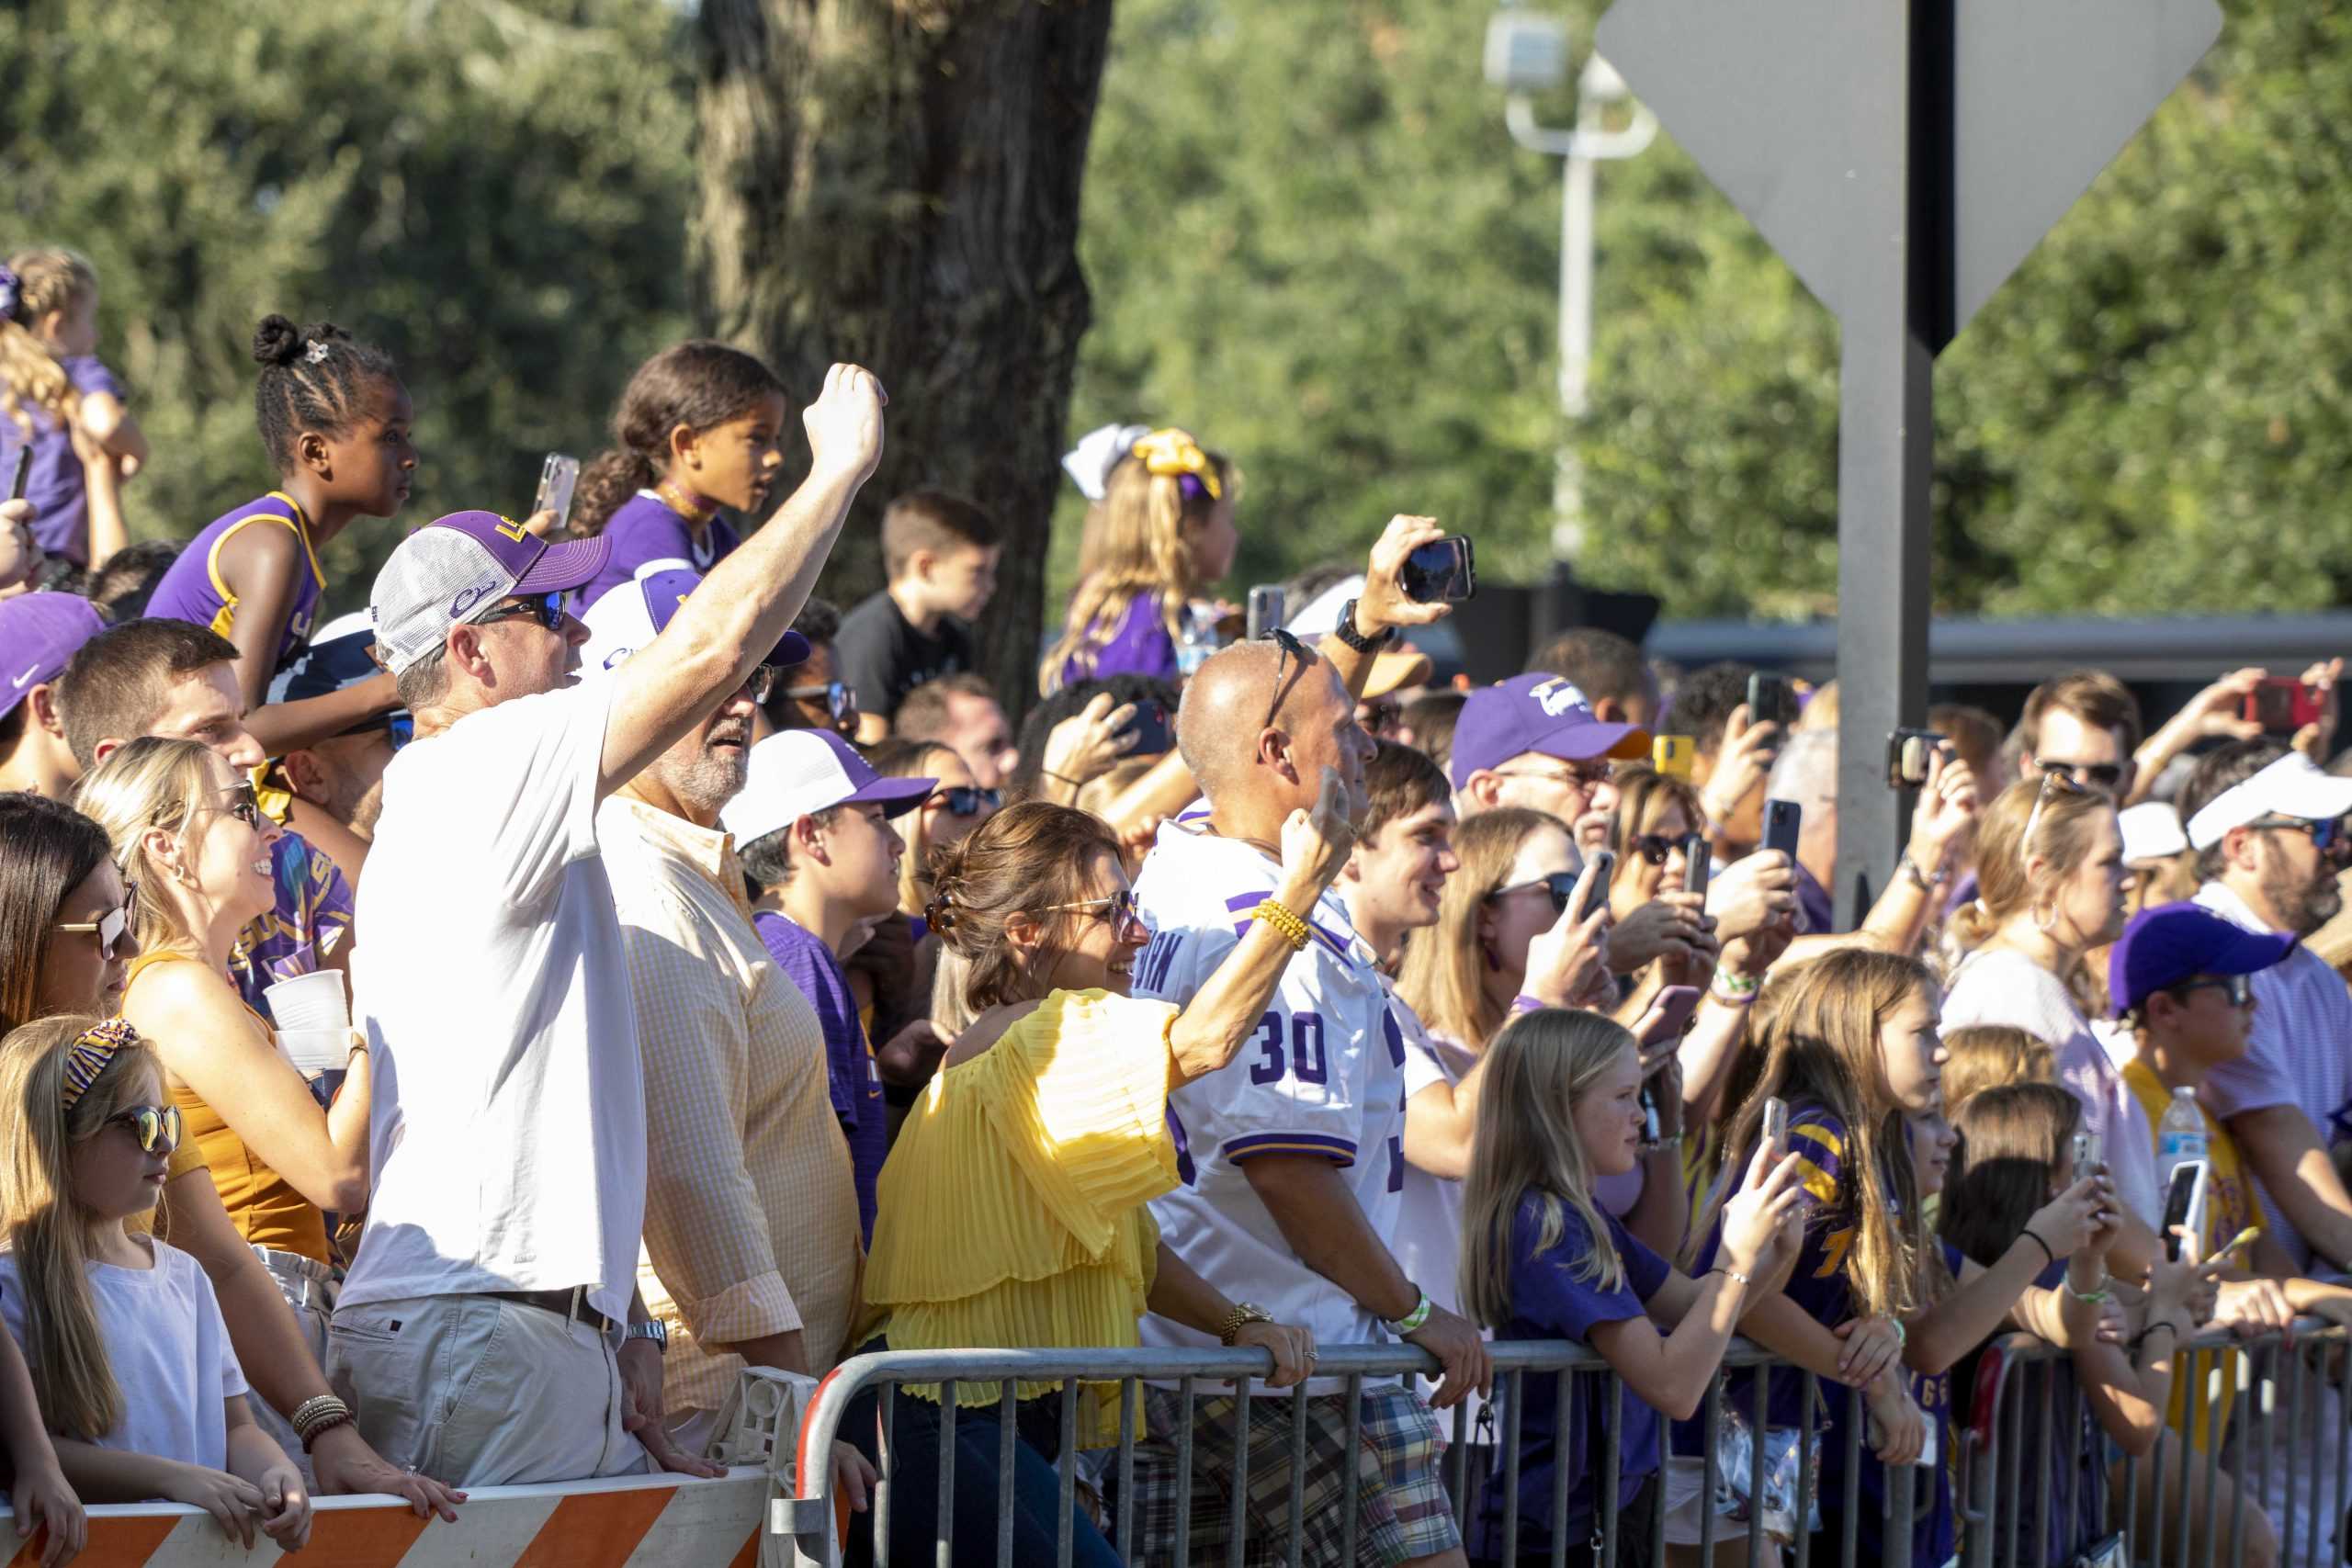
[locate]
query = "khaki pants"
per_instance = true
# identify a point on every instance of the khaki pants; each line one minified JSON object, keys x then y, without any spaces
{"x":478,"y":1391}
{"x":308,"y":1290}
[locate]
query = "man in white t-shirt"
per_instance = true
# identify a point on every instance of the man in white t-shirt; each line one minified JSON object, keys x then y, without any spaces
{"x":2269,"y":830}
{"x":1294,"y":1156}
{"x":480,"y":1331}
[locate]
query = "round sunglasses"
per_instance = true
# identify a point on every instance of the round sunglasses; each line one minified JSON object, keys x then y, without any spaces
{"x":157,"y":1127}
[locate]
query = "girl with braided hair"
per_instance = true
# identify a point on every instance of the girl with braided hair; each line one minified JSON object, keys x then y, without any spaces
{"x":335,"y":420}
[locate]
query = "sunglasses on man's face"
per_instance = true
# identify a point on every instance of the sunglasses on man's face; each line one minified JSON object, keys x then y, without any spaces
{"x":965,"y":800}
{"x":110,"y":927}
{"x":2107,"y":776}
{"x":1560,"y":884}
{"x":546,"y":608}
{"x":2324,"y":833}
{"x":157,"y":1127}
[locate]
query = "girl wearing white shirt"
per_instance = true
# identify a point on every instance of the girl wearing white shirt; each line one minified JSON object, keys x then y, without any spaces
{"x":128,"y":1354}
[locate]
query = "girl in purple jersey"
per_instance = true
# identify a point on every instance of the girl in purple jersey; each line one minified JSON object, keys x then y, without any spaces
{"x":1543,"y":1260}
{"x":699,"y":428}
{"x":66,"y":408}
{"x":334,"y":419}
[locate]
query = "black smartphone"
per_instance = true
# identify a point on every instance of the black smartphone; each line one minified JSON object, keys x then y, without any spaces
{"x":2184,"y":1204}
{"x":1908,"y":752}
{"x":21,"y":466}
{"x":1265,"y":610}
{"x":1782,"y":820}
{"x":1155,"y":735}
{"x":1770,"y":699}
{"x":1698,"y":861}
{"x":1604,"y":864}
{"x":1441,"y":570}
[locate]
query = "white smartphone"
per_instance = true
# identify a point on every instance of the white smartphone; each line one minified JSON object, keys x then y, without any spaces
{"x":1776,"y":1123}
{"x":557,"y":475}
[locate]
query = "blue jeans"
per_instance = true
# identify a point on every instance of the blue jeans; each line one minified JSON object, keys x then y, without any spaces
{"x":914,"y":1486}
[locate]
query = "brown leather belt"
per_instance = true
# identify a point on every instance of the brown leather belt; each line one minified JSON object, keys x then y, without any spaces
{"x":572,"y":1304}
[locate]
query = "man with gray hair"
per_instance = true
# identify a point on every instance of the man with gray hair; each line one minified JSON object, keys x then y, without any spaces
{"x":490,"y":1331}
{"x":1293,"y":1156}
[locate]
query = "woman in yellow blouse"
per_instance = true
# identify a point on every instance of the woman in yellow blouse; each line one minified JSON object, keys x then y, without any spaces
{"x":1012,"y":1208}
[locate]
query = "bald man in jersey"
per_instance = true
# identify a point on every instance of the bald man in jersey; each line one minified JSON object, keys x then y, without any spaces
{"x":1293,"y":1156}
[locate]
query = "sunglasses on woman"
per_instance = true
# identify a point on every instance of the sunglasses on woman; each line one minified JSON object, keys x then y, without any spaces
{"x":840,"y":701}
{"x":157,"y":1127}
{"x":966,"y":800}
{"x":1560,"y":884}
{"x":1119,"y":910}
{"x":244,"y":803}
{"x":546,"y":608}
{"x":110,"y":927}
{"x":1655,"y":848}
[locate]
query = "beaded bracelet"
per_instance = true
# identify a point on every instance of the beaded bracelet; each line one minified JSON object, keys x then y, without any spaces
{"x":1291,"y":929}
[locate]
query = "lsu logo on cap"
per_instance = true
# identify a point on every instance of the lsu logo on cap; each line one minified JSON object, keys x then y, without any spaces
{"x":1557,"y":695}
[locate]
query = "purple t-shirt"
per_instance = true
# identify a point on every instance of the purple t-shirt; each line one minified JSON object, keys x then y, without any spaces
{"x":54,"y":480}
{"x":194,"y":589}
{"x":1815,"y":903}
{"x":1548,"y":1302}
{"x":856,"y":1082}
{"x":1139,"y":645}
{"x":646,"y":529}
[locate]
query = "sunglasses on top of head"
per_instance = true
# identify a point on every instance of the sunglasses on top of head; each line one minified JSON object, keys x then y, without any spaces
{"x":547,"y":608}
{"x":965,"y":800}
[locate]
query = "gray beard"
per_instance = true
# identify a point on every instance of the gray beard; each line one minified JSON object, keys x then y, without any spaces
{"x":710,"y":781}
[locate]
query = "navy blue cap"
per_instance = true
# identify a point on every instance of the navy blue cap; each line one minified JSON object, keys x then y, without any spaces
{"x":2172,"y":943}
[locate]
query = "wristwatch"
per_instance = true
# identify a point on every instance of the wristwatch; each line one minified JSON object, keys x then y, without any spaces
{"x":1241,"y":1317}
{"x":1346,"y":632}
{"x":653,"y":1329}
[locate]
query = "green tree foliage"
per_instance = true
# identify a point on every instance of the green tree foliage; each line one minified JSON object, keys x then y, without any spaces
{"x":495,"y":190}
{"x":1311,"y":238}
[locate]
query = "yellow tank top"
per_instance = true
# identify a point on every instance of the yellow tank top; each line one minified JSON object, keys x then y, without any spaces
{"x":262,"y":1204}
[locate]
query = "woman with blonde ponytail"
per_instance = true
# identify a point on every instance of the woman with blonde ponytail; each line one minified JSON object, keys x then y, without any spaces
{"x":2050,"y":888}
{"x":1162,"y":530}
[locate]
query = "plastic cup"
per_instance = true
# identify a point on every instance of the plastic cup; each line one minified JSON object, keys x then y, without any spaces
{"x":316,"y":1050}
{"x":315,"y":1000}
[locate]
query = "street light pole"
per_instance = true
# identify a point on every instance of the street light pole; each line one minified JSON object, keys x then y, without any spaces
{"x":1581,"y":150}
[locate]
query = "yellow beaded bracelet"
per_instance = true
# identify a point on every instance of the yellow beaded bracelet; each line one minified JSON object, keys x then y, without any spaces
{"x":1293,"y":929}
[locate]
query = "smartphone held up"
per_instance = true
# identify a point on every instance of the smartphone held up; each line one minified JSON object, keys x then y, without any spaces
{"x":558,"y":476}
{"x":1441,"y":569}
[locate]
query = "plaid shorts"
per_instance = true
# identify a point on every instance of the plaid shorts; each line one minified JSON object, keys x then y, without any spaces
{"x":1402,"y":1510}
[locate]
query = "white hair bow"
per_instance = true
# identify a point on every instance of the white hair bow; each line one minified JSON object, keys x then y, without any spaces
{"x":1089,"y":464}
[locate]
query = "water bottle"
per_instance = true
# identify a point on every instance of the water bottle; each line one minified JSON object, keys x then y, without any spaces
{"x":1198,"y":637}
{"x":2179,"y":1136}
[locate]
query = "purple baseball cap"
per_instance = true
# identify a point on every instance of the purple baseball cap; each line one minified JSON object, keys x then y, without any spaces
{"x":633,"y":615}
{"x":457,"y":569}
{"x":799,"y":772}
{"x":40,"y":634}
{"x":2173,"y":943}
{"x":1546,"y":713}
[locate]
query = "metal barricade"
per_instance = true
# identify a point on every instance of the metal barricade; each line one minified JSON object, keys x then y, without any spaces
{"x":2278,"y":1438}
{"x":2021,"y":1415}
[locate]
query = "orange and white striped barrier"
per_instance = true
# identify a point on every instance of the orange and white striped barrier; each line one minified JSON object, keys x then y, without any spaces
{"x":641,"y":1521}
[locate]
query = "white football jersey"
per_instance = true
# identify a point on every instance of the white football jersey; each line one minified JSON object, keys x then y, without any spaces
{"x":1324,"y":1073}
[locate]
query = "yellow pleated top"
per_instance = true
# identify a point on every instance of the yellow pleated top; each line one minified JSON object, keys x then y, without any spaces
{"x":1012,"y":1209}
{"x":262,"y":1204}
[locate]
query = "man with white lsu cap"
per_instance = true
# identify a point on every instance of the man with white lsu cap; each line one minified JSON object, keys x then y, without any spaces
{"x":2268,"y":828}
{"x":481,"y":1329}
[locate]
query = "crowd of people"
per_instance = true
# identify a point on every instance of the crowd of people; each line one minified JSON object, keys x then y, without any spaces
{"x":732,"y":985}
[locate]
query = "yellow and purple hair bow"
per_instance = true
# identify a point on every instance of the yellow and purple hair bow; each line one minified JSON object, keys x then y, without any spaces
{"x":90,"y":1052}
{"x":1173,"y":453}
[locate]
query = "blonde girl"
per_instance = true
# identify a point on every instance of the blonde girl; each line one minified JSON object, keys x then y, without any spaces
{"x":188,"y":835}
{"x":1163,"y":530}
{"x":64,"y":405}
{"x":125,"y":1340}
{"x":1542,"y":1260}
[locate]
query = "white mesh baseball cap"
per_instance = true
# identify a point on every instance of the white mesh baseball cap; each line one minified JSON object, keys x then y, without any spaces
{"x":457,"y":569}
{"x":633,"y":613}
{"x":799,"y":772}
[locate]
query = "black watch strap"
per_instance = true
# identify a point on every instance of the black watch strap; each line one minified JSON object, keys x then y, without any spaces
{"x":1346,"y":632}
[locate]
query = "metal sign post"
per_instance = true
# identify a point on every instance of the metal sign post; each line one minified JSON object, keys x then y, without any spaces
{"x":1902,"y":156}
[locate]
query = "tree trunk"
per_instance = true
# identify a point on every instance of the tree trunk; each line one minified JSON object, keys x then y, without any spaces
{"x":896,"y":183}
